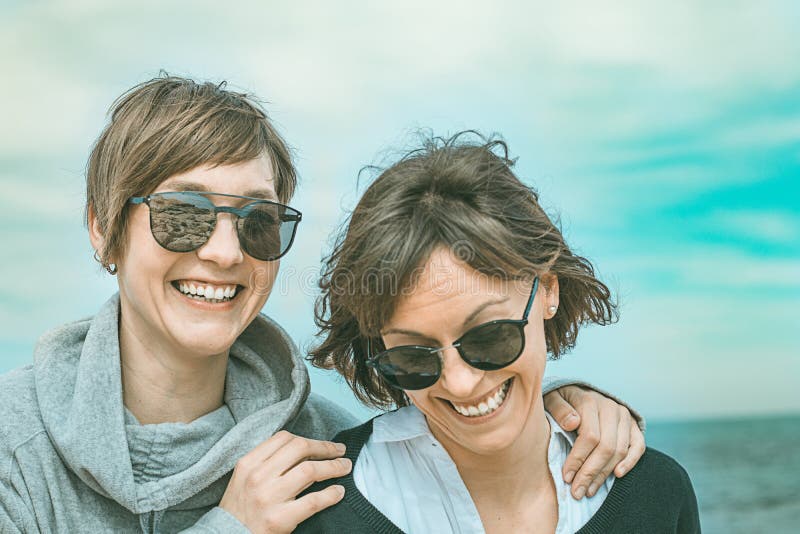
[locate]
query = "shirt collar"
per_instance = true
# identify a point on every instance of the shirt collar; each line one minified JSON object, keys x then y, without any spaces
{"x":403,"y":424}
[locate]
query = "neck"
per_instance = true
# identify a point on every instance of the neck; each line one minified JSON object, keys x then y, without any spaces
{"x":163,"y":385}
{"x":511,"y":477}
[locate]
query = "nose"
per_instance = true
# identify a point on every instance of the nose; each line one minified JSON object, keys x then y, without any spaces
{"x":223,"y":246}
{"x":458,"y":377}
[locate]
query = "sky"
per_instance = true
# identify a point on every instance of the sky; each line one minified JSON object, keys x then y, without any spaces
{"x":665,"y":138}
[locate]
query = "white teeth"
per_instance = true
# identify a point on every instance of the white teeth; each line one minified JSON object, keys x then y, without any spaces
{"x":485,"y":407}
{"x":207,"y":292}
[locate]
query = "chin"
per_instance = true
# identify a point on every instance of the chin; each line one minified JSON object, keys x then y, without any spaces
{"x":205,"y":340}
{"x":203,"y":350}
{"x":490,"y":444}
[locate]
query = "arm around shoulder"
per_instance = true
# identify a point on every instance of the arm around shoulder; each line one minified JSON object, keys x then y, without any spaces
{"x":551,"y":383}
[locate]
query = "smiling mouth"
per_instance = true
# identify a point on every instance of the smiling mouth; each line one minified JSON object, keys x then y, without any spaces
{"x":486,"y":406}
{"x":204,"y":292}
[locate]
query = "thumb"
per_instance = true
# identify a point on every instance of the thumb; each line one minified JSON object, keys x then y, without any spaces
{"x":561,"y":410}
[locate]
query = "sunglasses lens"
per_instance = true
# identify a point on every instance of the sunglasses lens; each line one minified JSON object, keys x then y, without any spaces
{"x":266,"y":233}
{"x":494,"y":345}
{"x":181,"y":222}
{"x":409,"y":368}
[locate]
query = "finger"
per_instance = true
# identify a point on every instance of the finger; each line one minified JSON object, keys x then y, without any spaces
{"x":280,"y":439}
{"x":253,"y":460}
{"x":635,"y":452}
{"x":299,"y":510}
{"x":623,"y":441}
{"x":603,"y":452}
{"x":306,"y":473}
{"x":561,"y":410}
{"x":588,"y":437}
{"x":299,"y":449}
{"x":267,"y":448}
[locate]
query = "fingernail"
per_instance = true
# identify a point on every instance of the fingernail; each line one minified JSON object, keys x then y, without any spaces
{"x":569,"y":476}
{"x":341,"y":447}
{"x":339,"y":490}
{"x":580,"y":493}
{"x":346,"y":462}
{"x":592,"y":490}
{"x":568,"y":419}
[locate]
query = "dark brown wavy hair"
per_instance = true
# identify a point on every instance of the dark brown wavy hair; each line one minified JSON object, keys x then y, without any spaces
{"x":460,"y":193}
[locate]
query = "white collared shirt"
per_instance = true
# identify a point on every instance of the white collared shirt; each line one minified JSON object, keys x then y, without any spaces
{"x":407,"y":475}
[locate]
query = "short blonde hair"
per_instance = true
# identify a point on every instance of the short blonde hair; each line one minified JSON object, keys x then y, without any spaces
{"x":167,"y":126}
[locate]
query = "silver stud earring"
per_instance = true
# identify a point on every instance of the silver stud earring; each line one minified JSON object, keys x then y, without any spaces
{"x":552,"y":309}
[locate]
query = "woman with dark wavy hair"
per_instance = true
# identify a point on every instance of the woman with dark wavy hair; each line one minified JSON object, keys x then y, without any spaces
{"x":445,"y":296}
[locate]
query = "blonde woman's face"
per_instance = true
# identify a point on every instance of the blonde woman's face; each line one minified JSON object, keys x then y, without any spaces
{"x":156,"y":285}
{"x":449,"y":299}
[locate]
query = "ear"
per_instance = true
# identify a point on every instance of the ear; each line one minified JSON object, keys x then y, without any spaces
{"x":96,"y":236}
{"x":550,"y":283}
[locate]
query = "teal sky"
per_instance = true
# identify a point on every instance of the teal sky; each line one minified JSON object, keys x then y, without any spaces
{"x":665,"y":136}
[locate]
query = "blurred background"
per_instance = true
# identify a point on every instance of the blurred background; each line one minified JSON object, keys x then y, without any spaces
{"x":664,"y":136}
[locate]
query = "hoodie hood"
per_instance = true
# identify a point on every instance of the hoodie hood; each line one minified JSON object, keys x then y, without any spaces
{"x":79,"y":389}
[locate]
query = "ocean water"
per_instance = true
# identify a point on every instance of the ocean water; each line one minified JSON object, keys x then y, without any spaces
{"x":745,"y":472}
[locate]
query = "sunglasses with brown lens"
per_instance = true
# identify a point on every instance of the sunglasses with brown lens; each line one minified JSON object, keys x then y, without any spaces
{"x":183,"y":221}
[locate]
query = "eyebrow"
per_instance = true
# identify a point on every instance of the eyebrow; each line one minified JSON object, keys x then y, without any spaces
{"x":469,"y":319}
{"x":181,"y":185}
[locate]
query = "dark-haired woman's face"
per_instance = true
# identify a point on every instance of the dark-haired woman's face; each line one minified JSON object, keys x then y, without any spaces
{"x":468,"y":409}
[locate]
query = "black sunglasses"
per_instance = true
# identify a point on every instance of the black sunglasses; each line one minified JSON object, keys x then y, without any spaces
{"x":488,"y":346}
{"x":183,"y":221}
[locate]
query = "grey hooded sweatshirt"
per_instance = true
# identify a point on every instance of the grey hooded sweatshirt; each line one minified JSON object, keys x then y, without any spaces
{"x":73,"y":459}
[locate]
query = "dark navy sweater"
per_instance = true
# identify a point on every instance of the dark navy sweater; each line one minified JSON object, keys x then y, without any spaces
{"x":655,"y":497}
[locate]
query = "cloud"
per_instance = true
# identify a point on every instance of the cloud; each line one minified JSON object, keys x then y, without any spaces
{"x":762,"y":225}
{"x":41,"y":195}
{"x":341,"y":62}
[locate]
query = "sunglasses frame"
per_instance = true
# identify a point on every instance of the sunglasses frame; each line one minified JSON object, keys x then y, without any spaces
{"x":240,"y":213}
{"x":372,"y":361}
